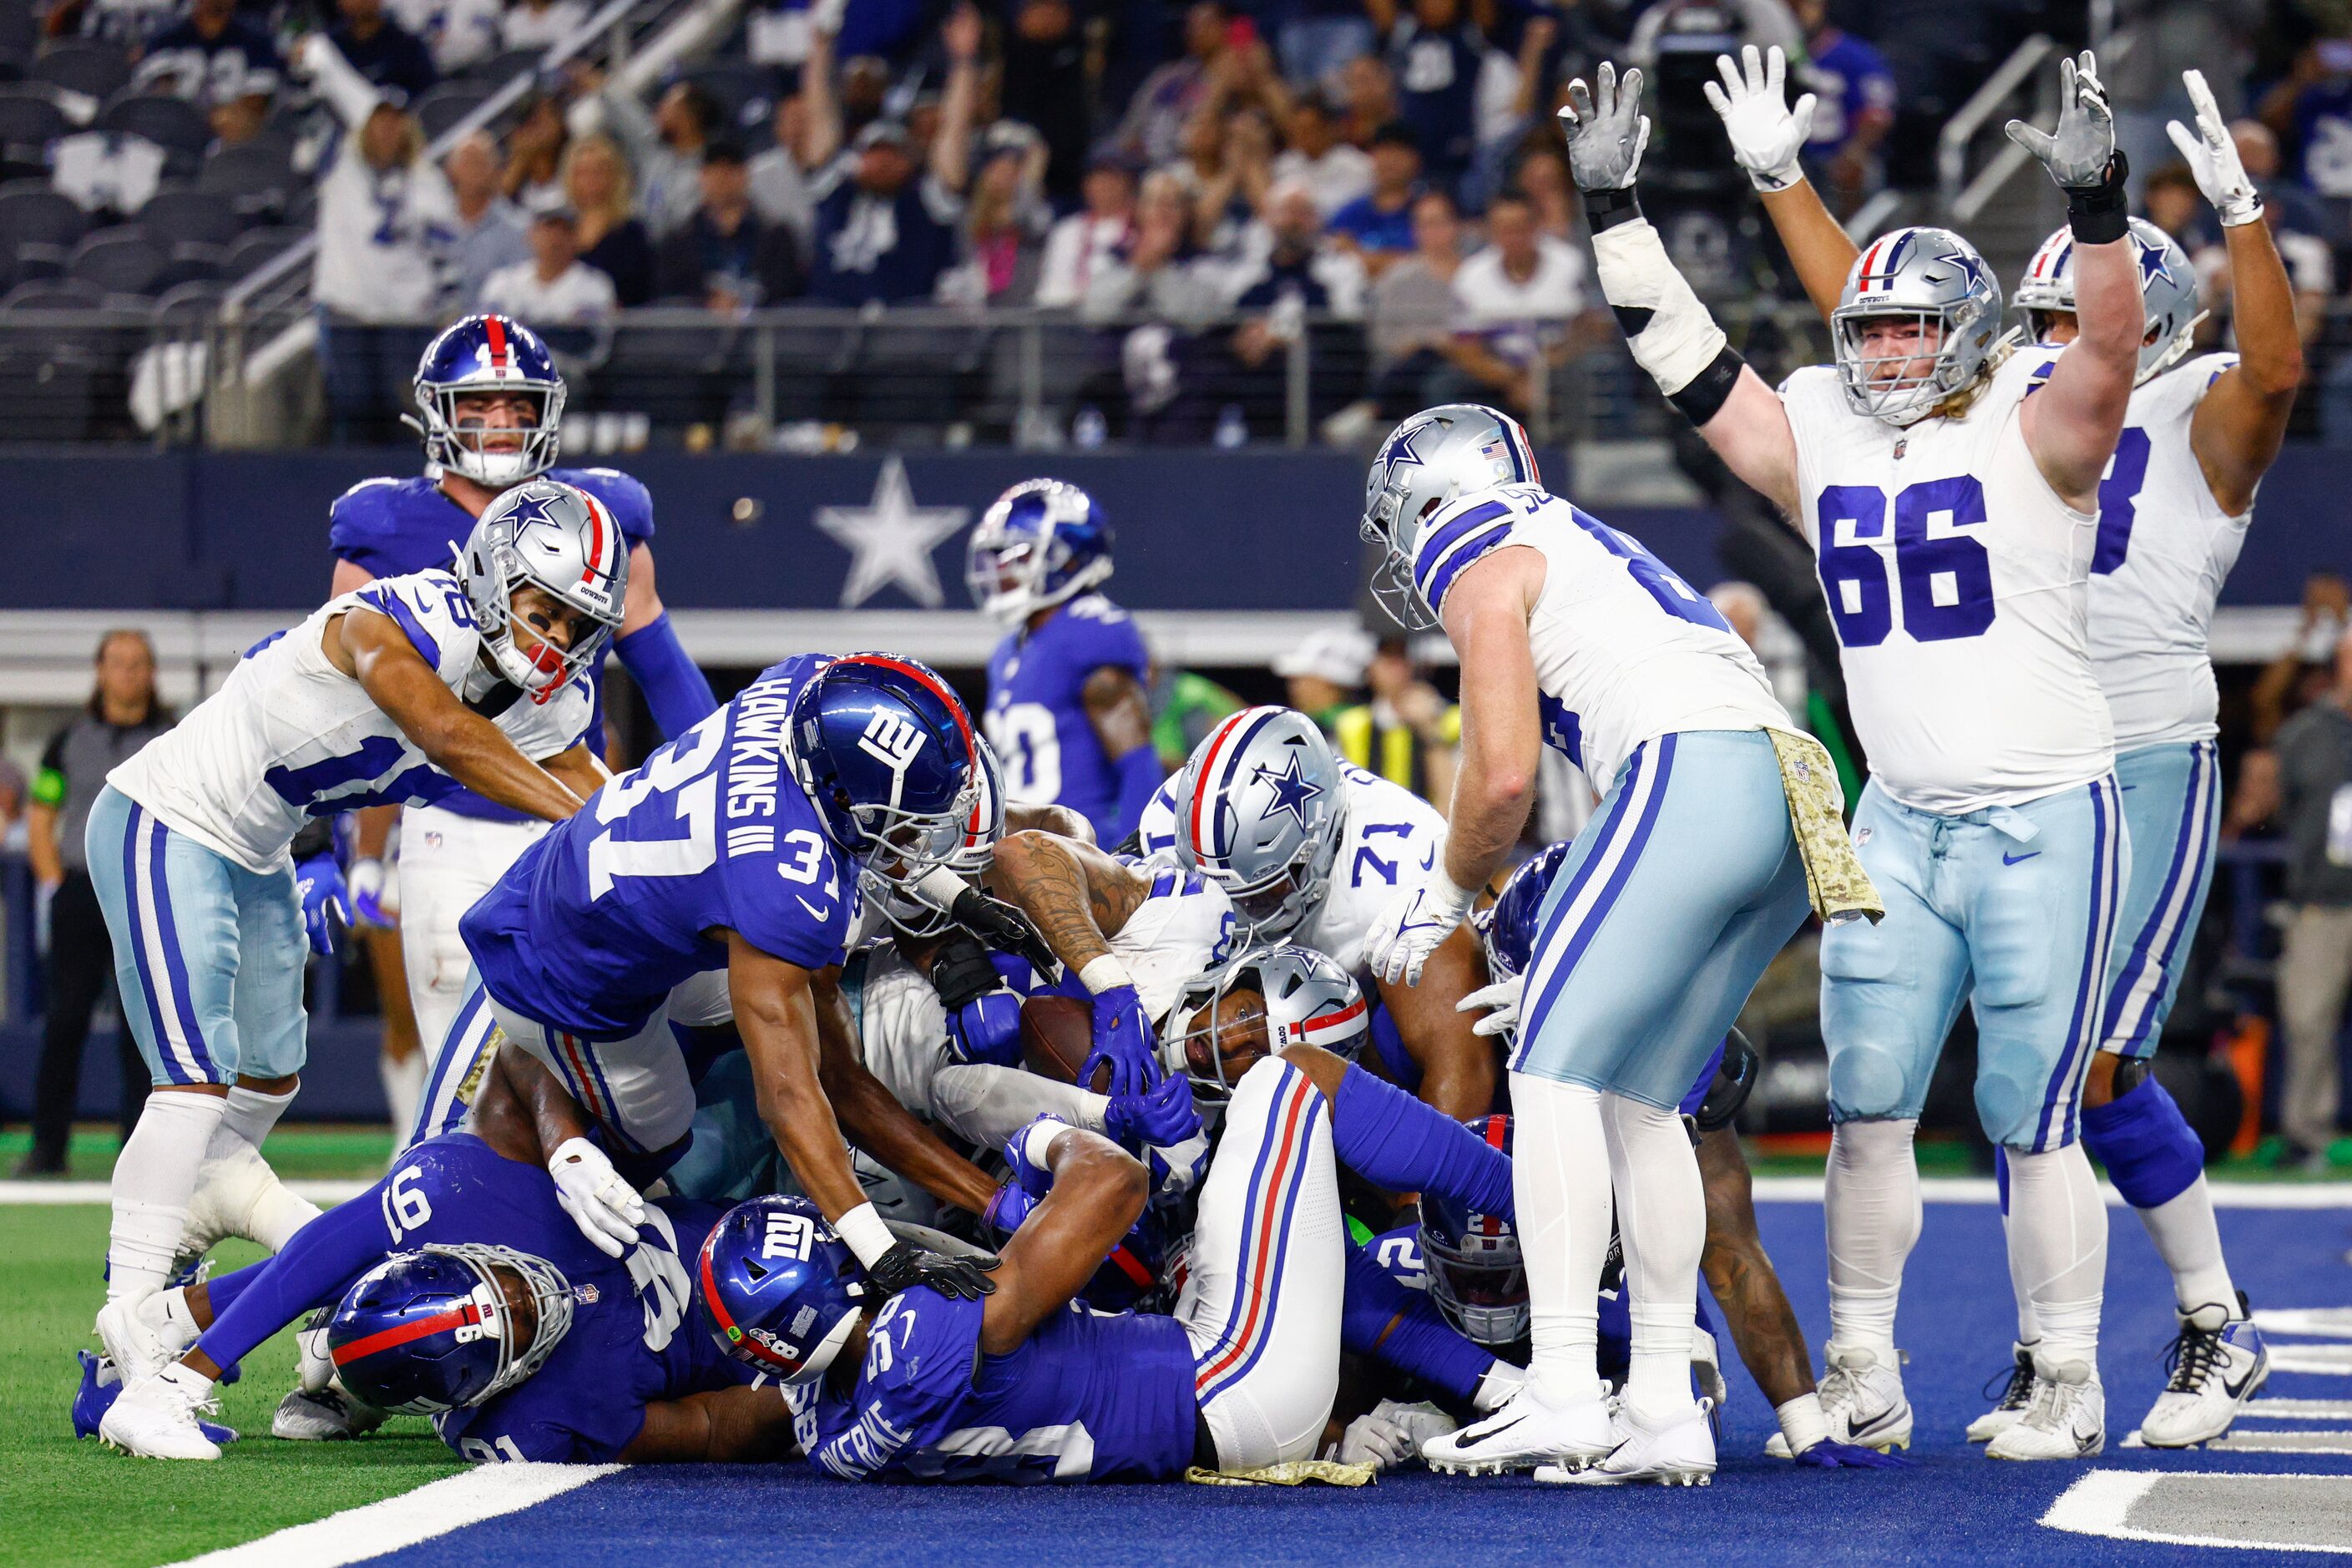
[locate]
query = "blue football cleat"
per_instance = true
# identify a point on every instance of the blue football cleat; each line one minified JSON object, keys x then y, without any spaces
{"x":100,"y":1388}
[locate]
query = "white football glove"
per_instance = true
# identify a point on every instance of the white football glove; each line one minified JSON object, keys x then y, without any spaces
{"x":1606,"y":130}
{"x":2079,"y":153}
{"x":2212,"y":157}
{"x":606,"y":1209}
{"x":1766,"y":133}
{"x":1501,"y":1002}
{"x":1391,"y":1434}
{"x":1412,"y":925}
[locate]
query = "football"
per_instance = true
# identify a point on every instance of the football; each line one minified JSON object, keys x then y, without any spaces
{"x":1057,"y":1033}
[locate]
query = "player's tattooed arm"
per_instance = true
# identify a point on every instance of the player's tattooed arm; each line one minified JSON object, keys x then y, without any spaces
{"x":723,"y":1426}
{"x":1046,"y":817}
{"x":1078,"y":897}
{"x":371,"y":649}
{"x":1754,"y":1308}
{"x":873,"y":1118}
{"x":1457,"y":1067}
{"x":1099,"y":1189}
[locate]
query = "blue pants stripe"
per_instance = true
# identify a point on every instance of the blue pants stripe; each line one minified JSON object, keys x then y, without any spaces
{"x":2064,"y":1100}
{"x":2137,"y":1002}
{"x":158,"y":886}
{"x":138,"y":934}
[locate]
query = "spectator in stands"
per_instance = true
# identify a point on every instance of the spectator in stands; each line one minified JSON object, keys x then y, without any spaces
{"x":489,"y":228}
{"x":1158,"y":271}
{"x":457,"y":33}
{"x":121,"y":716}
{"x":2299,"y":226}
{"x":2172,"y":202}
{"x":2311,"y":111}
{"x":1435,"y":53}
{"x":1336,"y":172}
{"x":1853,"y":107}
{"x":1006,"y":221}
{"x":1316,"y":38}
{"x":535,"y":150}
{"x":1044,"y":85}
{"x":1292,"y":274}
{"x":723,"y":256}
{"x":381,"y":50}
{"x":130,"y":23}
{"x":541,"y":24}
{"x":1378,"y":225}
{"x":1540,"y":175}
{"x":2303,"y":668}
{"x":595,"y":183}
{"x":1289,"y":260}
{"x":217,"y":61}
{"x":1323,"y":673}
{"x":780,"y":185}
{"x":1411,"y":320}
{"x":1368,"y":96}
{"x":554,"y":290}
{"x":1408,"y":733}
{"x":1516,"y":299}
{"x":665,"y":148}
{"x":1227,"y":199}
{"x":1154,"y":125}
{"x":1090,"y":240}
{"x":882,"y":232}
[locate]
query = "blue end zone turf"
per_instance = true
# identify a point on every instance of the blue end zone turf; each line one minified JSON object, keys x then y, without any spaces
{"x":1955,"y":1507}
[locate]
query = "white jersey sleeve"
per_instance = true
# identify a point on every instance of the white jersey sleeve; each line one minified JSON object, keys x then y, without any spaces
{"x":1958,"y":581}
{"x":1184,"y":926}
{"x":1389,"y":839}
{"x":902,"y":1028}
{"x":2165,"y":547}
{"x":1155,"y":833}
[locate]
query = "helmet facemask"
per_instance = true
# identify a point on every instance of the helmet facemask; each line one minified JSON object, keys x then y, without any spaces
{"x":495,"y":572}
{"x":1909,"y":394}
{"x":1007,"y":566}
{"x":1218,"y":1016}
{"x":455,"y":440}
{"x":908,"y":907}
{"x":1480,"y":1285}
{"x":1267,"y":911}
{"x":543,"y":1289}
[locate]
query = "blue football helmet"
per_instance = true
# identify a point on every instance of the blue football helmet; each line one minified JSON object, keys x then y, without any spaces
{"x":779,"y":1290}
{"x":1041,"y":542}
{"x":1476,"y":1274}
{"x":890,"y":758}
{"x":1508,"y":926}
{"x":481,"y":354}
{"x":449,"y":1327}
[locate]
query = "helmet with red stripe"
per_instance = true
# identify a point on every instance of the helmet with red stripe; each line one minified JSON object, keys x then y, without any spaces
{"x":1927,"y":277}
{"x":887,"y":754}
{"x":447,"y":1327}
{"x":1228,"y":1019}
{"x":1259,"y":810}
{"x":1039,"y":543}
{"x":549,"y":536}
{"x":1477,"y":1276}
{"x":779,"y":1291}
{"x":479,"y":356}
{"x":2168,"y":291}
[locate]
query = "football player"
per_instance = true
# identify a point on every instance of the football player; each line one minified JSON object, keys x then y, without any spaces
{"x":1065,"y":688}
{"x":2173,"y":509}
{"x":1950,"y":491}
{"x":400,"y":691}
{"x":490,"y":407}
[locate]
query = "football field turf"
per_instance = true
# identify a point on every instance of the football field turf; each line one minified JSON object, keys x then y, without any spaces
{"x":2283,"y":1479}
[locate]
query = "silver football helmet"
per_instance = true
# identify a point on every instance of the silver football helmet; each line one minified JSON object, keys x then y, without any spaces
{"x":1309,"y":1001}
{"x":1259,"y":809}
{"x":545,"y":534}
{"x":1437,"y":456}
{"x":909,"y":909}
{"x":2168,"y":291}
{"x":1932,"y":277}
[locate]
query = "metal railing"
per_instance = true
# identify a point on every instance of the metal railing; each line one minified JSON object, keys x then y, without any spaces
{"x":1963,"y":197}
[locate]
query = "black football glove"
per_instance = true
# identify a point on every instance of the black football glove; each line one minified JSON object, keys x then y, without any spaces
{"x":961,"y":971}
{"x":1004,"y":928}
{"x":906,"y":1266}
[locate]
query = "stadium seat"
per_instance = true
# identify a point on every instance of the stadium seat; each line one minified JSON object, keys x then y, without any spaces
{"x":54,"y":294}
{"x":258,"y":177}
{"x":46,"y":395}
{"x":173,"y":124}
{"x":36,"y":215}
{"x":680,"y":375}
{"x":440,"y":110}
{"x":187,"y":308}
{"x":120,"y":261}
{"x":504,"y":66}
{"x":29,"y":121}
{"x":95,"y":71}
{"x":182,"y":214}
{"x":189,"y":261}
{"x":249,"y":251}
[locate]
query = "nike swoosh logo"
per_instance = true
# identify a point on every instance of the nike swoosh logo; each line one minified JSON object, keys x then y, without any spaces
{"x":2238,"y":1390}
{"x":2008,"y":859}
{"x":814,"y":911}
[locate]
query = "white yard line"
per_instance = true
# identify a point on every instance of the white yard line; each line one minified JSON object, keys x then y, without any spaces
{"x":485,"y":1491}
{"x":2100,"y":1502}
{"x":44,"y":1194}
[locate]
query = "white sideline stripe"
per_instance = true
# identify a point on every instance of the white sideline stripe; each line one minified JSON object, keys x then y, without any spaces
{"x":2326,"y":1322}
{"x":485,"y":1491}
{"x":2100,"y":1502}
{"x":44,"y":1195}
{"x":2323,"y":1360}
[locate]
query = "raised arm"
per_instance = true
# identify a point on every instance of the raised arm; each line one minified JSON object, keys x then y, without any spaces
{"x":1766,"y":138}
{"x":353,"y":96}
{"x":821,"y":134}
{"x":2072,"y":424}
{"x":951,"y":147}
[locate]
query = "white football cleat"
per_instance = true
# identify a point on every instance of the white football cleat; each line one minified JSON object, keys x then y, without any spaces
{"x":2219,"y":1365}
{"x":1522,"y":1435}
{"x":327,"y":1415}
{"x":156,"y":1419}
{"x":1863,"y":1397}
{"x":2066,"y":1420}
{"x":1679,"y":1454}
{"x":2013,"y":1401}
{"x":137,"y":1336}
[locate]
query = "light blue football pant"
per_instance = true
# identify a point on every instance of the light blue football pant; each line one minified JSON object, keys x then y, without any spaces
{"x":2011,"y":909}
{"x":209,"y":956}
{"x":1670,"y":904}
{"x":2172,"y":805}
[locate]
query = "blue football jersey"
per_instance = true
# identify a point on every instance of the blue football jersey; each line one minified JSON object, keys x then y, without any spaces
{"x":595,"y":923}
{"x":1088,"y":1396}
{"x":634,"y":1337}
{"x":390,"y":528}
{"x":1036,"y":716}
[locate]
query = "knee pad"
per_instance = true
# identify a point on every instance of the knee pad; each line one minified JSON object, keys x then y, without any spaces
{"x":2007,"y":1107}
{"x":1866,"y":1080}
{"x":2151,"y":1152}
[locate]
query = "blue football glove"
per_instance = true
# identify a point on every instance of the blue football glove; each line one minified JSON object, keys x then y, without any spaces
{"x":1831,"y":1454}
{"x":987,"y":1030}
{"x":1177,"y":1170}
{"x":368,"y":882}
{"x":1123,"y":1039}
{"x":1158,"y":1117}
{"x":1008,"y":1208}
{"x":1027,"y":1174}
{"x":319,"y":883}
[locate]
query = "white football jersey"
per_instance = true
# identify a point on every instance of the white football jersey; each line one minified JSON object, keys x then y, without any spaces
{"x":289,"y":737}
{"x":1959,"y":584}
{"x":1388,"y":836}
{"x":2165,"y":545}
{"x":1624,"y":650}
{"x":1183,"y":928}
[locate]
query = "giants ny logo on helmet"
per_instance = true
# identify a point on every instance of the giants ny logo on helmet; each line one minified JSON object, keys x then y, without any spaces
{"x":893,"y":740}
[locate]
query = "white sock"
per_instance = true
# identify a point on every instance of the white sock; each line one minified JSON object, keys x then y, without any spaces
{"x":1870,"y":1211}
{"x":1559,"y":1179}
{"x":252,"y":1114}
{"x":2058,"y":1249}
{"x":2189,"y":1242}
{"x":1662,"y":1219}
{"x":2028,"y":1332}
{"x":403,"y":1086}
{"x":154,"y":1176}
{"x":239,"y":1195}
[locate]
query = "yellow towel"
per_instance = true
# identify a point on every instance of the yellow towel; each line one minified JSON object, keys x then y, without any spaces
{"x":1839,"y":889}
{"x":1330,"y":1472}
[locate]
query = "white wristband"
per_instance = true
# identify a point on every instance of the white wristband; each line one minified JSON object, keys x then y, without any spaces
{"x":1802,"y":1422}
{"x":1037,"y":1141}
{"x":1102,"y":973}
{"x":869,"y":1236}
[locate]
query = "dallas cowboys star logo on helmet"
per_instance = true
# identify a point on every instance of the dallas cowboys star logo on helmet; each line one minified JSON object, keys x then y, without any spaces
{"x":1400,"y":450}
{"x":1292,"y":790}
{"x":530,"y":509}
{"x":1970,"y":266}
{"x":2152,"y":261}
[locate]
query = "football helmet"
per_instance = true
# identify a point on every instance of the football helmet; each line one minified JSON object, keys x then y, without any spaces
{"x":1436,"y":457}
{"x":440,"y":1329}
{"x":887,"y":754}
{"x":1041,"y":542}
{"x":1259,"y":811}
{"x":908,"y":907}
{"x":1477,"y":1276}
{"x":550,"y":536}
{"x":780,"y":1291}
{"x":1928,"y":276}
{"x":1508,"y":926}
{"x":479,"y":354}
{"x":1309,"y":1001}
{"x":2168,"y":291}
